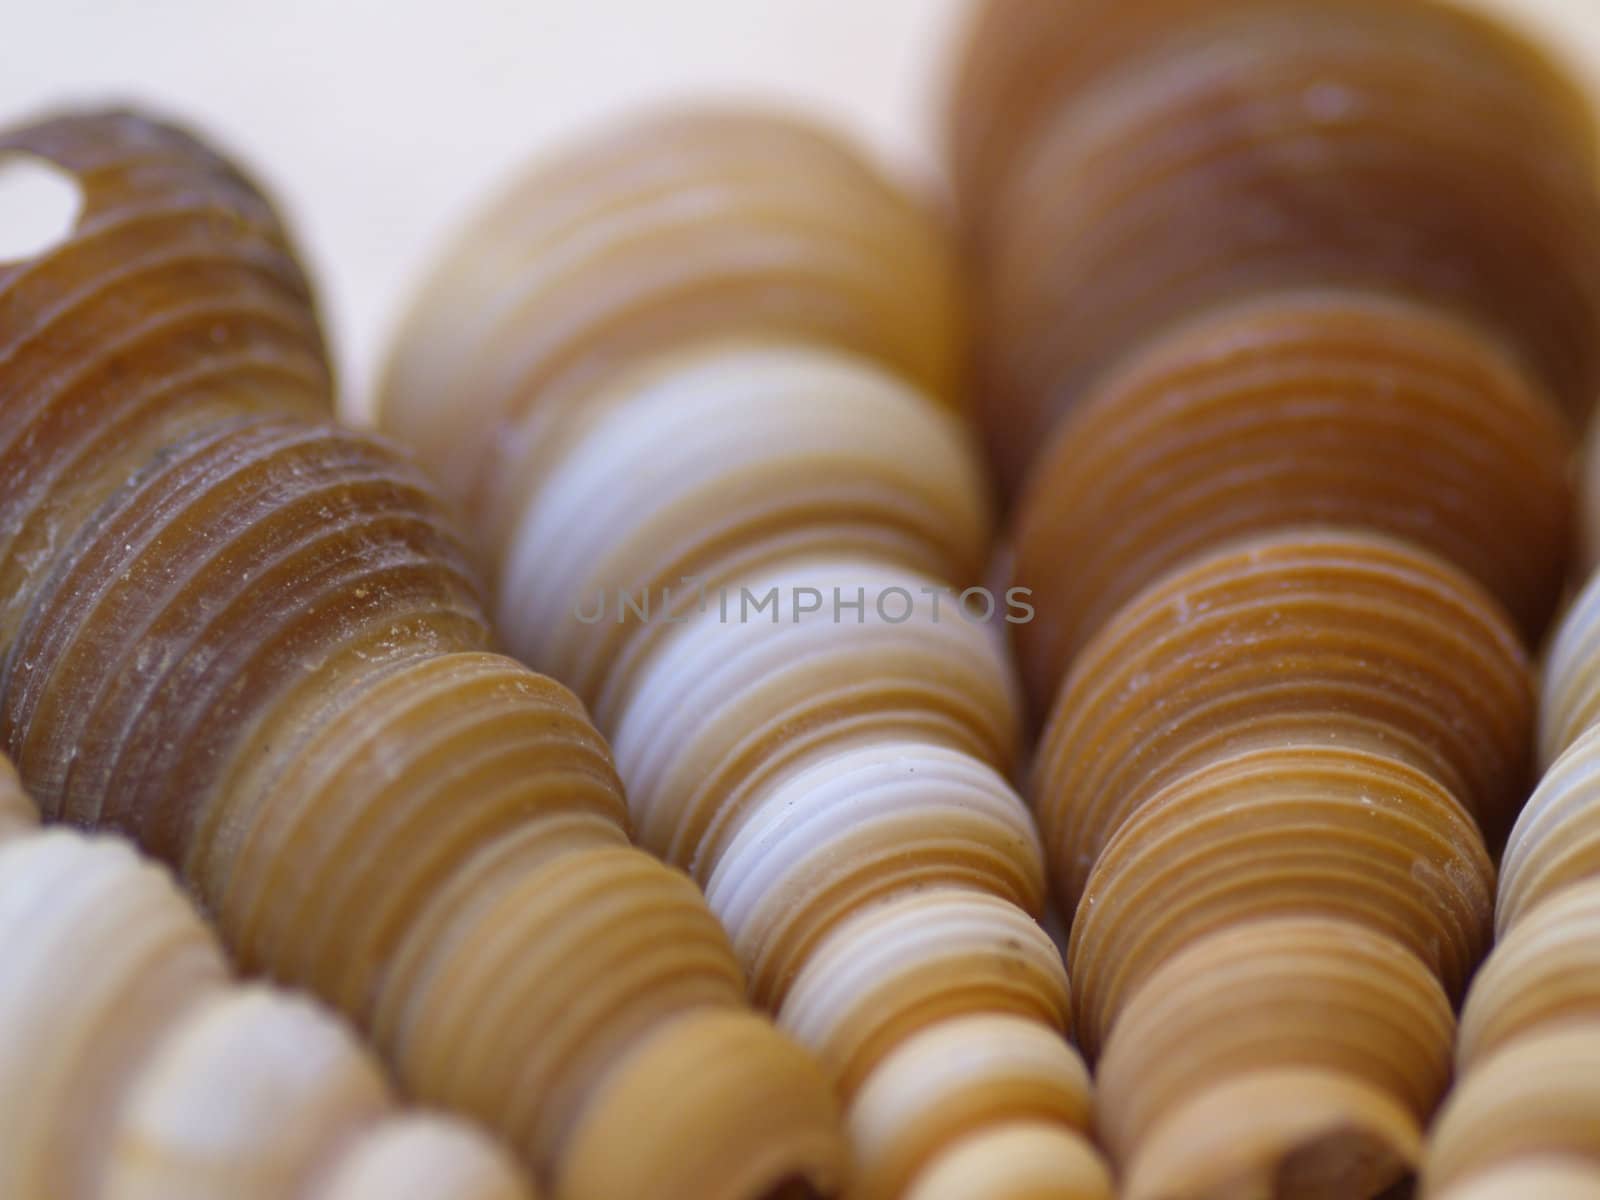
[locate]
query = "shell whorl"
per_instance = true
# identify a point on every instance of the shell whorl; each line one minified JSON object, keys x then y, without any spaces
{"x":257,"y":643}
{"x":133,"y":1068}
{"x":814,"y":727}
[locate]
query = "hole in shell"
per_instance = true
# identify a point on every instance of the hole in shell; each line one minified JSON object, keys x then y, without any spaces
{"x":39,"y":205}
{"x":795,"y":1187}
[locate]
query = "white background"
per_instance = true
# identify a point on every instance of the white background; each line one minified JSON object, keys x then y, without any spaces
{"x":379,"y":125}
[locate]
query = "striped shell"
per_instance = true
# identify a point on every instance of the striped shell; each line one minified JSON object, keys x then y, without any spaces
{"x":256,"y":643}
{"x":737,"y":512}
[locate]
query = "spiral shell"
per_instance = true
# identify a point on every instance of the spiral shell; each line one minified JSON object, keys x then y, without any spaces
{"x":131,"y":1068}
{"x":707,"y":224}
{"x":1128,"y":166}
{"x":256,"y":643}
{"x":733,"y":508}
{"x":1522,"y":1113}
{"x":1334,"y":408}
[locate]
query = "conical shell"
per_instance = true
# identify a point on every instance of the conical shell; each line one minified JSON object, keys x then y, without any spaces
{"x":1336,"y":408}
{"x":1307,"y":637}
{"x":415,"y":1158}
{"x":676,"y":228}
{"x":1237,"y":1016}
{"x":1551,"y":1178}
{"x":256,"y":643}
{"x":1254,"y":146}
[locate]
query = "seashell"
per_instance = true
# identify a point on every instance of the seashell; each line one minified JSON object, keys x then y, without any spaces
{"x":1549,"y":1178}
{"x":724,"y":710}
{"x":1019,"y":1160}
{"x":255,"y":643}
{"x":870,"y":822}
{"x":1556,"y":840}
{"x":964,"y":1073}
{"x":1569,"y":701}
{"x":704,"y":467}
{"x":407,"y":1158}
{"x":1214,"y":152}
{"x":1337,"y":1037}
{"x":707,"y":1086}
{"x":1338,"y":408}
{"x":903,"y":965}
{"x":131,"y":1069}
{"x":1544,"y":972}
{"x":692,"y":226}
{"x":757,"y":396}
{"x":1533,"y":1099}
{"x":1302,"y":638}
{"x":1286,"y":831}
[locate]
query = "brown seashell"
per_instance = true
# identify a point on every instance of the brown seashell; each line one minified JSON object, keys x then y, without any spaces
{"x":1533,"y":1099}
{"x":1252,"y":147}
{"x":1021,"y":1160}
{"x":897,"y":968}
{"x":698,"y":225}
{"x":255,"y":642}
{"x":1286,"y":831}
{"x":963,"y":1074}
{"x":1302,"y":638}
{"x":1351,"y":1010}
{"x":1544,"y":972}
{"x":1334,"y":408}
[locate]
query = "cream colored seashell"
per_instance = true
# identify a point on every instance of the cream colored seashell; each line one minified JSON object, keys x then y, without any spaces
{"x":1017,"y":1161}
{"x":908,"y":963}
{"x":420,"y":1158}
{"x":726,"y":708}
{"x":700,"y":224}
{"x":1287,"y":831}
{"x":102,"y":957}
{"x":706,"y":465}
{"x":252,"y":1095}
{"x":954,"y":1078}
{"x":1544,"y":972}
{"x":1302,"y":1133}
{"x":1262,"y":998}
{"x":1549,"y":1178}
{"x":865,"y":824}
{"x":703,"y":1090}
{"x":1569,"y":703}
{"x":1556,"y":840}
{"x":1534,"y":1098}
